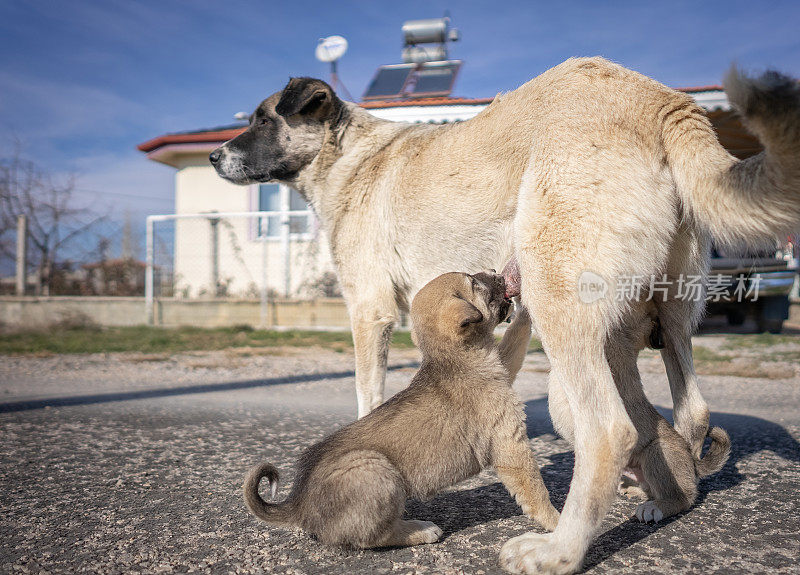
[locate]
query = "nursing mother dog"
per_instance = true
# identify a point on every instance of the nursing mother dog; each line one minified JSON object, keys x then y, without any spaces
{"x":589,"y":168}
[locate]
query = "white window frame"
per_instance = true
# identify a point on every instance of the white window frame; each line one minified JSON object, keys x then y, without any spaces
{"x":284,"y":212}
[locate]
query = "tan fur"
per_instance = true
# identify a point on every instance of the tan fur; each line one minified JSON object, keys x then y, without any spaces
{"x":662,"y":464}
{"x":458,"y":416}
{"x":589,"y":166}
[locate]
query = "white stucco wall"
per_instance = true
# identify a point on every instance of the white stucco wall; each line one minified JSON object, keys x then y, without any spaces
{"x":241,"y":253}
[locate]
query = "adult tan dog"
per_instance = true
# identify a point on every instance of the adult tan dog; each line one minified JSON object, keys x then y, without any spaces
{"x":458,"y":415}
{"x":592,"y":174}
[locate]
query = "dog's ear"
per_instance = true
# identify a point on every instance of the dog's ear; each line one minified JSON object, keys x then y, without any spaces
{"x":308,"y":96}
{"x":465,"y":312}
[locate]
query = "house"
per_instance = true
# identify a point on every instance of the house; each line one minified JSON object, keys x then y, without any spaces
{"x":286,"y":252}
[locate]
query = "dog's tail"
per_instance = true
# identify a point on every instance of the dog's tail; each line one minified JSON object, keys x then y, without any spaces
{"x":717,"y":453}
{"x":748,"y":202}
{"x":273,"y":513}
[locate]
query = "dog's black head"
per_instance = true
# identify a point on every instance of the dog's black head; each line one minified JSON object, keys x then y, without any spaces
{"x":285,"y":134}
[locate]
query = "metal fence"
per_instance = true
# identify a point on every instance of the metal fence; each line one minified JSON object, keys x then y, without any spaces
{"x":239,"y":255}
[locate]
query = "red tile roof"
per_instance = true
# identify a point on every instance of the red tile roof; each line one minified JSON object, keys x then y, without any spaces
{"x":442,"y":101}
{"x":205,"y":136}
{"x":694,"y":89}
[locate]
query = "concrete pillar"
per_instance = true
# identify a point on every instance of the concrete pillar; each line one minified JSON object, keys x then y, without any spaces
{"x":214,"y":256}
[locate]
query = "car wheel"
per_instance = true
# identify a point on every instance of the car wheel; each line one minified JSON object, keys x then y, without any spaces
{"x":770,"y":325}
{"x":736,"y":317}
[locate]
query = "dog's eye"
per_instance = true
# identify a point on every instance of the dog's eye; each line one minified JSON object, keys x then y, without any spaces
{"x":263,"y":122}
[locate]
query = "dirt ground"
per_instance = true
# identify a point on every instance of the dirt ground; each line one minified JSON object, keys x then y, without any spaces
{"x":126,"y":463}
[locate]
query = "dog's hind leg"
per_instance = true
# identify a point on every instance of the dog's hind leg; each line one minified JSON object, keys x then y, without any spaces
{"x":690,"y":410}
{"x":669,"y":473}
{"x":355,"y":500}
{"x":661,"y":456}
{"x":560,"y":412}
{"x":679,"y":315}
{"x":411,"y":532}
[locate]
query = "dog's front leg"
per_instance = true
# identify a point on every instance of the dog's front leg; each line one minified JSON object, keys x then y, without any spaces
{"x":372,"y":323}
{"x":517,"y":469}
{"x":515,"y":342}
{"x":604,"y":438}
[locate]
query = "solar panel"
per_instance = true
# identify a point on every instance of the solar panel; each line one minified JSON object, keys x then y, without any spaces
{"x":389,"y":81}
{"x":434,"y":79}
{"x":413,"y":80}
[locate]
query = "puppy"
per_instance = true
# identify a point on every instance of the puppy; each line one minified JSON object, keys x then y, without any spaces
{"x":458,"y":416}
{"x":662,"y":462}
{"x":667,"y":473}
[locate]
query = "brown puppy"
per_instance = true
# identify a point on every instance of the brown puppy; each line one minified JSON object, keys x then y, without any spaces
{"x":458,"y":416}
{"x":662,"y":462}
{"x":667,"y":473}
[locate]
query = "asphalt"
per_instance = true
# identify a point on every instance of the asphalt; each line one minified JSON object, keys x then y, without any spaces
{"x":118,"y":466}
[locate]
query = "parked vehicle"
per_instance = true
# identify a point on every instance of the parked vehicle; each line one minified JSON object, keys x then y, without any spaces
{"x":756,"y":285}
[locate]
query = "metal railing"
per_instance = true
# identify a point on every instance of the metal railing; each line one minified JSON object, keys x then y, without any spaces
{"x":238,"y":244}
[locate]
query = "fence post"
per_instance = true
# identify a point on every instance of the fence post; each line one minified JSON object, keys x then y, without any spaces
{"x":214,"y":256}
{"x":264,"y":277}
{"x":22,"y":253}
{"x":148,"y":274}
{"x":285,"y":231}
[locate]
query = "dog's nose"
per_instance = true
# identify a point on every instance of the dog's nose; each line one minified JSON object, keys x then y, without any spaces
{"x":215,"y":155}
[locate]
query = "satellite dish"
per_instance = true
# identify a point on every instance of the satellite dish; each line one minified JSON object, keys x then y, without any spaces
{"x":331,"y":48}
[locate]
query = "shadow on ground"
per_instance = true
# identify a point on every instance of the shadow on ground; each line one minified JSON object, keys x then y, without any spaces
{"x":748,"y":435}
{"x":65,"y":401}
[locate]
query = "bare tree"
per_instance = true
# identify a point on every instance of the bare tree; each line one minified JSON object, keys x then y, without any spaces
{"x":56,"y":224}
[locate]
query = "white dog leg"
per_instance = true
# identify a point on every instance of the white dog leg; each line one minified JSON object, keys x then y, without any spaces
{"x":690,"y":410}
{"x":679,"y":315}
{"x":604,"y":437}
{"x":372,"y":332}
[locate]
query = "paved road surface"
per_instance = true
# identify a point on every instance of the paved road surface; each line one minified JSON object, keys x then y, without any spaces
{"x":121,"y":464}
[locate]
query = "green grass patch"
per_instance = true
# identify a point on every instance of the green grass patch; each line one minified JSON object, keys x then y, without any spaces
{"x":147,"y":339}
{"x":787,"y":356}
{"x":759,"y":340}
{"x":701,"y":353}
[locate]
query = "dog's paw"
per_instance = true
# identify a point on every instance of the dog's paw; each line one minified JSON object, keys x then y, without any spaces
{"x":426,"y":532}
{"x":649,"y":511}
{"x":535,"y":553}
{"x":629,"y":489}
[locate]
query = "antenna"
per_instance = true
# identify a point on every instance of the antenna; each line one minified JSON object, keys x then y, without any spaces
{"x":330,"y":49}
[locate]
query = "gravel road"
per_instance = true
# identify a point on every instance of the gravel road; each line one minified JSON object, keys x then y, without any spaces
{"x":133,"y":463}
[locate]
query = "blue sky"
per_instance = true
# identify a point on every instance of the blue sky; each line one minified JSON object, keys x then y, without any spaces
{"x":82,"y":83}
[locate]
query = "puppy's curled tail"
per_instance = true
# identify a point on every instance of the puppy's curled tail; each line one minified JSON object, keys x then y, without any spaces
{"x":717,"y":453}
{"x":272,"y":513}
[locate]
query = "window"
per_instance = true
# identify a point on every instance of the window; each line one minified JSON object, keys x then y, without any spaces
{"x":280,"y":198}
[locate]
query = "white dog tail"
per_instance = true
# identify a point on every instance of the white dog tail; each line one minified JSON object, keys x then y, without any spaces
{"x":753,"y":201}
